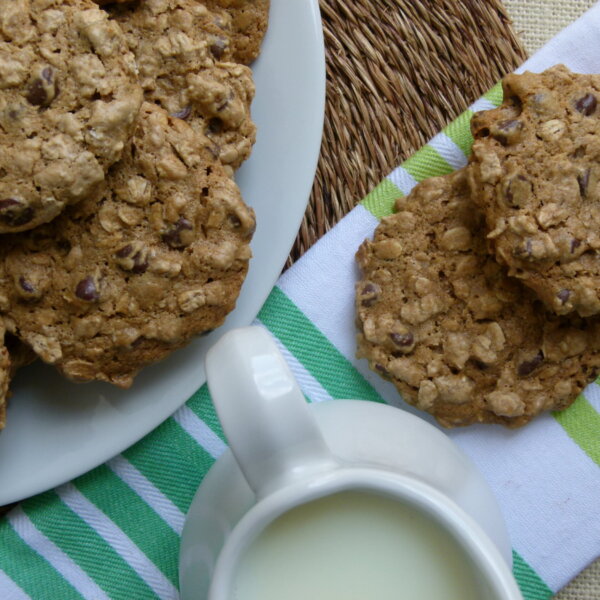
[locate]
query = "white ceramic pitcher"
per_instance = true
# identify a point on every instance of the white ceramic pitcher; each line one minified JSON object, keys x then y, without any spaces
{"x":291,"y":454}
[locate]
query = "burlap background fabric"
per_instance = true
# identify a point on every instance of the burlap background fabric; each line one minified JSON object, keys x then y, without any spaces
{"x":536,"y":21}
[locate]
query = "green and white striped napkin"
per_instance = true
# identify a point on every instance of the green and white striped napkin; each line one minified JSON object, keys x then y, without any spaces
{"x":114,"y":532}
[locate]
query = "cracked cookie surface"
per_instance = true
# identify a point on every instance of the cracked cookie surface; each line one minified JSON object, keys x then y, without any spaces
{"x":535,"y":172}
{"x":439,"y":318}
{"x":117,"y":283}
{"x":69,"y":97}
{"x":185,"y":51}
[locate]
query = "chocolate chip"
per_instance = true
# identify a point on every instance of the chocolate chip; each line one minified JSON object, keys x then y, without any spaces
{"x":86,"y":290}
{"x":529,"y":366}
{"x":215,"y":125}
{"x":403,"y":340}
{"x":184,"y":113}
{"x":586,"y":105}
{"x":564,"y":296}
{"x":507,"y":130}
{"x":14,"y":213}
{"x":133,"y":257}
{"x":217,"y":48}
{"x":36,"y":93}
{"x":369,"y":295}
{"x":140,"y":262}
{"x":42,"y":89}
{"x":124,"y":252}
{"x":173,"y":238}
{"x":583,"y":180}
{"x":575,"y":243}
{"x":26,"y":285}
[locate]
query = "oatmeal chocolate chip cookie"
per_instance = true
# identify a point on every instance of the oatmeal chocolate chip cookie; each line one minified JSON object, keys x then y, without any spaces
{"x":535,"y":171}
{"x":117,"y":283}
{"x":439,"y":317}
{"x":68,"y":101}
{"x":183,"y":51}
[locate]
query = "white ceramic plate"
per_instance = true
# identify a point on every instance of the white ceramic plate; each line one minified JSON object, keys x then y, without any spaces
{"x":57,"y":430}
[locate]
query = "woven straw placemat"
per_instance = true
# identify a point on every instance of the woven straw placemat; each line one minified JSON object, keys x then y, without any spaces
{"x":397,"y":72}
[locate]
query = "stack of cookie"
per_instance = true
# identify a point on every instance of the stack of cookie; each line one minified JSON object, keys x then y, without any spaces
{"x":123,"y":233}
{"x":479,"y":295}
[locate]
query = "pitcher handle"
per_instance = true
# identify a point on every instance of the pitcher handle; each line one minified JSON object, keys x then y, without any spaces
{"x":270,"y":429}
